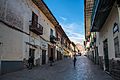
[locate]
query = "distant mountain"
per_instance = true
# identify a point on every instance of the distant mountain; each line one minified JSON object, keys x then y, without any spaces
{"x":80,"y":47}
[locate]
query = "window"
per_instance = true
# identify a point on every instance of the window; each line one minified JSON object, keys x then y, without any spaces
{"x":51,"y":32}
{"x":62,"y":40}
{"x":34,"y":19}
{"x":116,"y":44}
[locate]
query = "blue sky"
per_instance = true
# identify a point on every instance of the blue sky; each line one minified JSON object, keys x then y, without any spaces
{"x":70,"y":15}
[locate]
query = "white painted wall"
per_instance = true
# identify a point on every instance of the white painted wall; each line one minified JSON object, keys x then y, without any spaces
{"x":44,"y":46}
{"x":107,"y":32}
{"x":11,"y":47}
{"x":19,"y":14}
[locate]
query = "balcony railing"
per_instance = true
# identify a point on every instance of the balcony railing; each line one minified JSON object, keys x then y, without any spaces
{"x":95,"y":6}
{"x":101,"y":10}
{"x":52,"y":39}
{"x":36,"y":28}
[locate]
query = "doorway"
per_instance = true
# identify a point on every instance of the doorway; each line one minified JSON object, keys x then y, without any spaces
{"x":106,"y":59}
{"x":59,"y":55}
{"x":53,"y":52}
{"x":96,"y":56}
{"x":32,"y":54}
{"x":43,"y":56}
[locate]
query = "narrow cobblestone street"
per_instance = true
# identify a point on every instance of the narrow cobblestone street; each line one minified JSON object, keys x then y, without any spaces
{"x":61,"y":70}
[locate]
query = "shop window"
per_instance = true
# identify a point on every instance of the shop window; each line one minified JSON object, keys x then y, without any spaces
{"x":116,"y":45}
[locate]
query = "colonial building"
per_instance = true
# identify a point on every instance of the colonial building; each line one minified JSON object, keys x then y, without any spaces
{"x":27,"y":29}
{"x":63,"y":43}
{"x":88,"y":6}
{"x":59,"y":48}
{"x":66,"y":45}
{"x":105,"y":22}
{"x":88,"y":9}
{"x":50,"y":30}
{"x":72,"y":48}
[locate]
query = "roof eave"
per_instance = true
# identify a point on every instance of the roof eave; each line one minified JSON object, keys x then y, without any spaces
{"x":44,"y":8}
{"x":101,"y":16}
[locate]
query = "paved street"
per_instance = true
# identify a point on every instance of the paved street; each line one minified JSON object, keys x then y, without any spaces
{"x":61,"y":70}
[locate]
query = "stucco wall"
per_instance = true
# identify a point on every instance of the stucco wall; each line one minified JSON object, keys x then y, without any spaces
{"x":13,"y":47}
{"x":107,"y":33}
{"x":11,"y":43}
{"x":19,"y":14}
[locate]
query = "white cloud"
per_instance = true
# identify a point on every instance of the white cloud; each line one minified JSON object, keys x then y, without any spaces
{"x":74,"y":35}
{"x":63,"y":18}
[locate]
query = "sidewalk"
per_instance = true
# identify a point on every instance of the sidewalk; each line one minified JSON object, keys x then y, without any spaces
{"x":61,"y":70}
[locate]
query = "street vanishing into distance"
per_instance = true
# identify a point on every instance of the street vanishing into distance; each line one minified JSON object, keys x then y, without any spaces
{"x":59,"y":39}
{"x":62,"y":70}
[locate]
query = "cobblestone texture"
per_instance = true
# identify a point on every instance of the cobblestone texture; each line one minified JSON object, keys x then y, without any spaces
{"x":61,"y":70}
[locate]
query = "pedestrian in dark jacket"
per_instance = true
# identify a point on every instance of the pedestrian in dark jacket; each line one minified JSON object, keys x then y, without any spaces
{"x":51,"y":60}
{"x":30,"y":62}
{"x":74,"y":60}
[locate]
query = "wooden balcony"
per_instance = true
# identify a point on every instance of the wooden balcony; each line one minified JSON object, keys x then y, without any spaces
{"x":36,"y":28}
{"x":52,"y":39}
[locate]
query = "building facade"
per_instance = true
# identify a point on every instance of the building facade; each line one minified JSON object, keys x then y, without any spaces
{"x":27,"y":28}
{"x":59,"y":48}
{"x":105,"y":23}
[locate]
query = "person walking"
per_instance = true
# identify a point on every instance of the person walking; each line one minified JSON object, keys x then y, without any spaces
{"x":30,"y":62}
{"x":74,"y":60}
{"x":51,"y":60}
